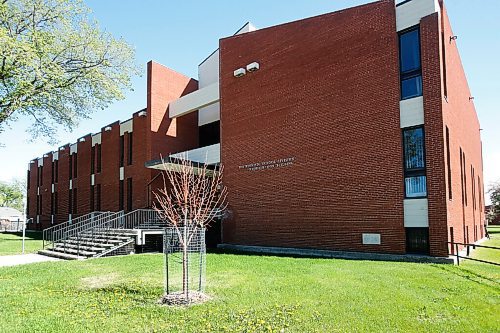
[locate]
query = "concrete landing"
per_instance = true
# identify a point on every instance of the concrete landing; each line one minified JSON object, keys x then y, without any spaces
{"x":23,"y":259}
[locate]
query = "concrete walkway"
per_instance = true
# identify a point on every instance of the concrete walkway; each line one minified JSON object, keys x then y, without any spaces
{"x":22,"y":259}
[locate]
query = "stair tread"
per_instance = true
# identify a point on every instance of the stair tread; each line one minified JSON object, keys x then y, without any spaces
{"x":66,"y":250}
{"x":82,"y":247}
{"x":56,"y":254}
{"x":71,"y":241}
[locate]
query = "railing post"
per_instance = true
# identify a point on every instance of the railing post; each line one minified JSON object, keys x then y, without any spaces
{"x":458,"y":257}
{"x":468,"y":250}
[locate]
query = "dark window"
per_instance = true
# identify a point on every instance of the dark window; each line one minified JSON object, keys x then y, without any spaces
{"x":52,"y":171}
{"x":448,"y":159}
{"x":56,"y":204}
{"x":92,"y":200}
{"x":27,"y":206}
{"x":98,"y":197}
{"x":40,"y":175}
{"x":209,"y":134}
{"x":129,"y":194}
{"x":130,"y":147}
{"x":75,"y":165}
{"x":121,"y":150}
{"x":52,"y":204}
{"x":120,"y":194}
{"x":56,"y":171}
{"x":473,"y":184}
{"x":443,"y":52}
{"x":75,"y":201}
{"x":70,"y":167}
{"x":70,"y":201}
{"x":92,"y":160}
{"x":29,"y":180}
{"x":480,"y":192}
{"x":452,"y":240}
{"x":465,"y":180}
{"x":98,"y":158}
{"x":417,"y":240}
{"x":414,"y":163}
{"x":409,"y":62}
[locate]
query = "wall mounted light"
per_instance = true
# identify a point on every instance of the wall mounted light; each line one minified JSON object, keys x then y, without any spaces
{"x":254,"y":66}
{"x":239,"y":72}
{"x":453,"y":38}
{"x":107,"y":128}
{"x":81,"y":140}
{"x":142,"y":114}
{"x":62,"y":148}
{"x":471,"y":98}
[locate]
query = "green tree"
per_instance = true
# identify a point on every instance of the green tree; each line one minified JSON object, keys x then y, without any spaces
{"x":12,"y":195}
{"x":56,"y":65}
{"x":494,"y":193}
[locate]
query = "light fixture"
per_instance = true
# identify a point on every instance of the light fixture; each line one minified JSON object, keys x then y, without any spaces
{"x":471,"y":98}
{"x":142,"y":114}
{"x":107,"y":128}
{"x":454,"y":37}
{"x":239,"y":72}
{"x":254,"y":66}
{"x":81,"y":140}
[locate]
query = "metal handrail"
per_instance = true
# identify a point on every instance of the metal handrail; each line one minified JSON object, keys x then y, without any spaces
{"x":55,"y":233}
{"x":454,"y":246}
{"x":98,"y":221}
{"x":123,"y":222}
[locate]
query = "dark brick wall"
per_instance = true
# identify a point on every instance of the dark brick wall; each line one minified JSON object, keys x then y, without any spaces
{"x":327,"y":94}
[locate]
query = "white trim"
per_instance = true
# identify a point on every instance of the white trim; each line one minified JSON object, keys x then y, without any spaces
{"x":40,"y":162}
{"x":53,"y":188}
{"x":122,"y":173}
{"x":411,"y":112}
{"x":127,"y":126}
{"x":55,"y":156}
{"x":92,"y":179}
{"x":96,"y":139}
{"x":410,"y":13}
{"x":191,"y":102}
{"x":416,"y":213}
{"x":71,"y":184}
{"x":73,"y":149}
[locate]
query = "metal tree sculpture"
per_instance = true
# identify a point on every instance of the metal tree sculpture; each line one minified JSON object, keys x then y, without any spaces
{"x":191,"y":197}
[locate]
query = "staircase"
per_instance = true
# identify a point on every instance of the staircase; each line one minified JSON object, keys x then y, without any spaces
{"x":104,"y":234}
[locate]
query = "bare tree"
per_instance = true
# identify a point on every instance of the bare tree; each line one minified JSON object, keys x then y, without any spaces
{"x":191,"y":198}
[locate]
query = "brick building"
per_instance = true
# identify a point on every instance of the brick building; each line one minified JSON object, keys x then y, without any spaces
{"x":353,"y":130}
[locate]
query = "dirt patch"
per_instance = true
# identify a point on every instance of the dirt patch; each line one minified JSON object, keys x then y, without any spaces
{"x":99,"y":281}
{"x":179,"y":299}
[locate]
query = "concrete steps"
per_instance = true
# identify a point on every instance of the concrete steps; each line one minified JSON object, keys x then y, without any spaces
{"x":89,"y":244}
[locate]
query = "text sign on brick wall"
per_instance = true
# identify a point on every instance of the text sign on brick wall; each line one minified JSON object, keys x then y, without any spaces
{"x":279,"y":163}
{"x":371,"y":239}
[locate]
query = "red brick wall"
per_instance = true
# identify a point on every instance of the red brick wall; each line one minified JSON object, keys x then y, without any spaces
{"x":460,"y":116}
{"x":434,"y":135}
{"x":110,"y":171}
{"x":82,"y":181}
{"x":327,"y":94}
{"x":169,"y":135}
{"x":32,"y":192}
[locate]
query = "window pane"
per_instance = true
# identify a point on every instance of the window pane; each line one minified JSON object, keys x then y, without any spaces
{"x":410,"y":51}
{"x":416,"y":186}
{"x":411,"y":87}
{"x":414,"y":149}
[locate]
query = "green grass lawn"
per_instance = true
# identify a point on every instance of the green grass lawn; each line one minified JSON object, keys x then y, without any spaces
{"x":11,"y":243}
{"x":253,"y":294}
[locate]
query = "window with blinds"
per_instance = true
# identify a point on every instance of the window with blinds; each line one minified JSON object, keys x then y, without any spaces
{"x":414,"y":163}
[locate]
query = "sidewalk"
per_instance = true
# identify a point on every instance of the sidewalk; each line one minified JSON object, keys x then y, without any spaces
{"x":21,"y":259}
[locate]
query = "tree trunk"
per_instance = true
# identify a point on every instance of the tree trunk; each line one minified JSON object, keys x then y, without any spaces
{"x":185,"y":284}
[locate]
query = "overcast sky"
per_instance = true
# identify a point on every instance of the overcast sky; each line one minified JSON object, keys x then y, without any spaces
{"x":180,"y":34}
